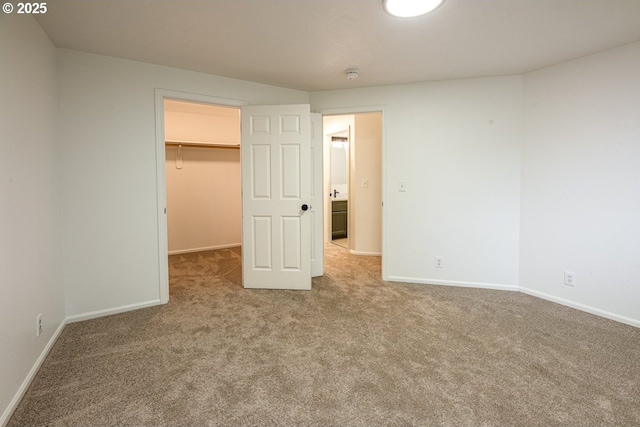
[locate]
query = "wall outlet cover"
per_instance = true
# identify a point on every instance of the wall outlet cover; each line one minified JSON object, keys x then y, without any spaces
{"x":569,"y":278}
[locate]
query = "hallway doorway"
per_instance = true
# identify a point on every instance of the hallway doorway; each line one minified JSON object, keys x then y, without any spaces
{"x":353,"y":181}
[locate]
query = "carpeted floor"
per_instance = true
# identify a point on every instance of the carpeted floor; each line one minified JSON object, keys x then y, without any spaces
{"x":354,"y":351}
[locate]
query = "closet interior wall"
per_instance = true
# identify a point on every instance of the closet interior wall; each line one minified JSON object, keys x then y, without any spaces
{"x":203,"y":180}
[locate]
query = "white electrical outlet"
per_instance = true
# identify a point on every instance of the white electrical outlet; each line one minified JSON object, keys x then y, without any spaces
{"x":39,"y":325}
{"x":439,"y":262}
{"x":569,"y":278}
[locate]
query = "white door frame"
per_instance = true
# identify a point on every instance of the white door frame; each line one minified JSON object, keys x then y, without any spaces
{"x":370,"y":109}
{"x":317,"y":195}
{"x":161,"y":182}
{"x":327,"y":210}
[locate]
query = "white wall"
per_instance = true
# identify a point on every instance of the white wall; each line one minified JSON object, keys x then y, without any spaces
{"x":581,"y":183}
{"x":367,"y":202}
{"x":108,"y":159}
{"x":457,"y":145}
{"x":31,"y":280}
{"x":204,"y":204}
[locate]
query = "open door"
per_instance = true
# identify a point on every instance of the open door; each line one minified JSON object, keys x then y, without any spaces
{"x":276,"y":194}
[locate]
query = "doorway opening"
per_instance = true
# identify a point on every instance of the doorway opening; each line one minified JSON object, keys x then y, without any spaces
{"x":162,"y":95}
{"x":203,"y":180}
{"x":339,"y":186}
{"x":283,"y":183}
{"x":203,"y":176}
{"x":353,"y":181}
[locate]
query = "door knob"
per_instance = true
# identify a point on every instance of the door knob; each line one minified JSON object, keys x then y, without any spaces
{"x":305,"y":207}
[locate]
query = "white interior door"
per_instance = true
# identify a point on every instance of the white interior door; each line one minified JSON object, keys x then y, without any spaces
{"x":276,"y":187}
{"x":317,"y":201}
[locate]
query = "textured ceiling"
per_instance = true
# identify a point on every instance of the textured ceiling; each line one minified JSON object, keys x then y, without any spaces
{"x":308,"y":44}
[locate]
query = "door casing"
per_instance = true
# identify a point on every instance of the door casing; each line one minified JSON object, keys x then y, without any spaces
{"x":161,"y":183}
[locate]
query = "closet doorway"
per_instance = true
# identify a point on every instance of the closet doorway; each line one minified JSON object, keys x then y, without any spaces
{"x":203,"y":176}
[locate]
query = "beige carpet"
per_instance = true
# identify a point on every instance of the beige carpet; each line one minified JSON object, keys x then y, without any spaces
{"x":354,"y":351}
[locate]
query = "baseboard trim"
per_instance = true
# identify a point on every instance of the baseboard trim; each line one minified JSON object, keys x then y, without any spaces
{"x":31,"y":375}
{"x":208,"y":248}
{"x":582,"y":307}
{"x":351,"y":251}
{"x":110,"y":311}
{"x":459,"y":284}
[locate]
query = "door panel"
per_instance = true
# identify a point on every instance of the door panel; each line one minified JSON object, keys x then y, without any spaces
{"x":276,"y":231}
{"x":290,"y":172}
{"x":261,"y":171}
{"x":261,"y":235}
{"x":291,"y":243}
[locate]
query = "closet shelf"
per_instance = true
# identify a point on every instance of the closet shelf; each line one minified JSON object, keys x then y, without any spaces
{"x":177,"y":143}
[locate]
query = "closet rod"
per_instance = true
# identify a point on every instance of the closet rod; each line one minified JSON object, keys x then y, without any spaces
{"x":200,"y":144}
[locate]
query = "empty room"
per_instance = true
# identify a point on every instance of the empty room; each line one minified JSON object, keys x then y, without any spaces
{"x":159,"y":277}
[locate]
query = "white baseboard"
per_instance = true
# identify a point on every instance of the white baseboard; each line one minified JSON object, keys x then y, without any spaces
{"x":110,"y":311}
{"x":4,"y":419}
{"x":351,"y":251}
{"x":578,"y":306}
{"x":582,"y":307}
{"x":208,"y":248}
{"x":459,"y":284}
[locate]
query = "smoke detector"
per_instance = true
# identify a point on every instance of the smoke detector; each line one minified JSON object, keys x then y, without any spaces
{"x":352,"y":74}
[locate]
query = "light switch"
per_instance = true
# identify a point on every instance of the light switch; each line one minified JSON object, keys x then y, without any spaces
{"x":402,"y":186}
{"x":365,"y":183}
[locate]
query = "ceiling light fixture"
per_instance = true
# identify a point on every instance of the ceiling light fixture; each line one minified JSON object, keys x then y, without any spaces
{"x":410,"y":8}
{"x":352,"y":74}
